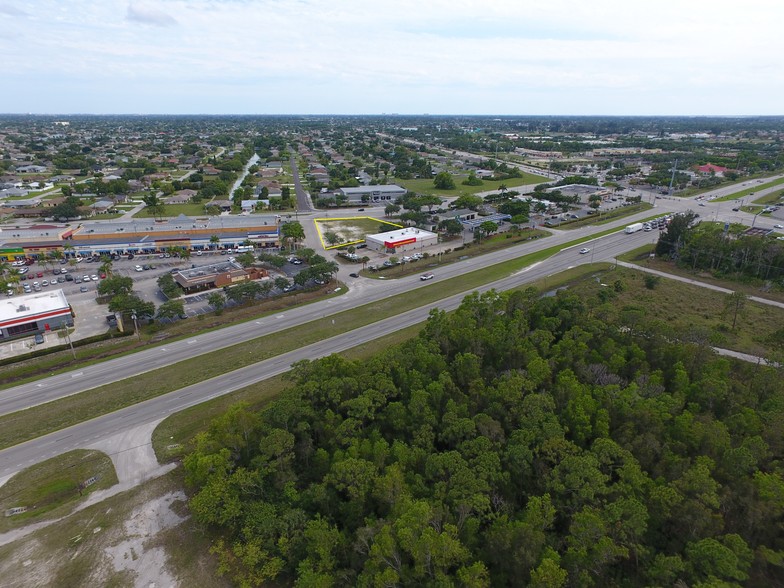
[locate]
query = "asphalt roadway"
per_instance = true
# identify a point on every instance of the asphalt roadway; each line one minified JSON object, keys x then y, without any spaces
{"x":87,"y":433}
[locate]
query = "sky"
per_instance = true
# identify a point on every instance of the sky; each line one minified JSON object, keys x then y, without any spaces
{"x":514,"y":57}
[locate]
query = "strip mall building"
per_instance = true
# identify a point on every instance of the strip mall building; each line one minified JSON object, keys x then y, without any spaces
{"x":138,"y":236}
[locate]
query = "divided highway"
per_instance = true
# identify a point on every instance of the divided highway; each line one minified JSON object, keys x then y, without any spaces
{"x":25,"y":454}
{"x":87,"y":433}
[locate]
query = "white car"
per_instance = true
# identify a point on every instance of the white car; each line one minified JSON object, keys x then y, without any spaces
{"x":778,"y":226}
{"x":584,"y":250}
{"x":427,"y":276}
{"x":94,"y":278}
{"x":138,"y":268}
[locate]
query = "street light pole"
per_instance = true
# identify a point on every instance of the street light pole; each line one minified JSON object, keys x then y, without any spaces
{"x":136,"y":326}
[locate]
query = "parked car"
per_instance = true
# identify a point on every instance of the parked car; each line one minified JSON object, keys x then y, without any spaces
{"x":69,"y":278}
{"x":94,"y":278}
{"x":83,"y":288}
{"x":39,"y":338}
{"x":45,"y":283}
{"x":138,"y":268}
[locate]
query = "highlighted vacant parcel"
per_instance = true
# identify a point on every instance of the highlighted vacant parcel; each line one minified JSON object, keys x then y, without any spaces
{"x":339,"y":232}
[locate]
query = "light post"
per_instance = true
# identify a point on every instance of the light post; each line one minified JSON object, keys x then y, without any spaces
{"x":136,"y":325}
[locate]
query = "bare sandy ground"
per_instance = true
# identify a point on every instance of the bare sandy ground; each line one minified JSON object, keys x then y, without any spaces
{"x":126,"y":550}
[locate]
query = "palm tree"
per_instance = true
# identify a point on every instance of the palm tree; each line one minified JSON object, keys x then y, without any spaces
{"x":214,"y":240}
{"x":106,"y":265}
{"x":333,"y":269}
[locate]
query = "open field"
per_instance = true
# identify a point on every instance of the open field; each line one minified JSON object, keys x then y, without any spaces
{"x":684,"y":311}
{"x":641,"y":257}
{"x":349,"y":230}
{"x":425,"y":185}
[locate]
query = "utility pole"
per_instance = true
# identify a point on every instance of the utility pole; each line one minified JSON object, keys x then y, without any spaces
{"x":672,"y":179}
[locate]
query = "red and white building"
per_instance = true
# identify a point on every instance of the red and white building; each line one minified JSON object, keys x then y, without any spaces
{"x":23,"y":316}
{"x":400,"y":240}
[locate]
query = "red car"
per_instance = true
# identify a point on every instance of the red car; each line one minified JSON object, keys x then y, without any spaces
{"x":40,"y":274}
{"x":103,"y":276}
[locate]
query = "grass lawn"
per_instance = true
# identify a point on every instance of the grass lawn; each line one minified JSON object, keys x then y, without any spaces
{"x":49,"y":489}
{"x":425,"y":186}
{"x":772,"y":198}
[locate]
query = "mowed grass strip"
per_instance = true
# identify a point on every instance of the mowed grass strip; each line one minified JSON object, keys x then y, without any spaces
{"x":50,"y":489}
{"x":31,"y":423}
{"x":748,"y":191}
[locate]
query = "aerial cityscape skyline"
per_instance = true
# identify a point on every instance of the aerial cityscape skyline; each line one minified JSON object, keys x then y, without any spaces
{"x":267,"y":57}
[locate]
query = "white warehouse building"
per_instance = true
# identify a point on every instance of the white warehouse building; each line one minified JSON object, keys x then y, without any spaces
{"x":407,"y":239}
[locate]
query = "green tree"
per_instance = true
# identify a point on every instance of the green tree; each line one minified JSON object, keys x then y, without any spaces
{"x":217,"y":301}
{"x":734,"y":303}
{"x":171,"y":309}
{"x":155,"y":205}
{"x":115,"y":286}
{"x":444,"y":181}
{"x":293,"y":232}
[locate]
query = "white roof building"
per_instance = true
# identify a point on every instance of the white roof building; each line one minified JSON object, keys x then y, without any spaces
{"x":33,"y":313}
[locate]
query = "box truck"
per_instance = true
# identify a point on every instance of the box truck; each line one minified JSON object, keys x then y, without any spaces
{"x":633,"y":228}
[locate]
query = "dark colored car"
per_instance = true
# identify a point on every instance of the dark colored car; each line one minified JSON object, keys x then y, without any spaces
{"x":354,"y":275}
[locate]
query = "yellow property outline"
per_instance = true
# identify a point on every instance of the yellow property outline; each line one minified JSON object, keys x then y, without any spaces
{"x":349,"y":218}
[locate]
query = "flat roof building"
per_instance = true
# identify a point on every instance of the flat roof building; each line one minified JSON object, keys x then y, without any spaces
{"x":21,"y":316}
{"x":216,"y":275}
{"x":369,"y":194}
{"x":407,"y":239}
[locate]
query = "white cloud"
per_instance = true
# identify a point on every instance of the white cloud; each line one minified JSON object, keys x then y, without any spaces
{"x":11,"y":10}
{"x":149,"y":15}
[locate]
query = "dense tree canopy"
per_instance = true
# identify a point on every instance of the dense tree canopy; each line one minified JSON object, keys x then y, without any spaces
{"x":517,"y":441}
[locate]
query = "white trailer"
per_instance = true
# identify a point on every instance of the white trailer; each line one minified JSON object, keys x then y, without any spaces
{"x":633,"y":228}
